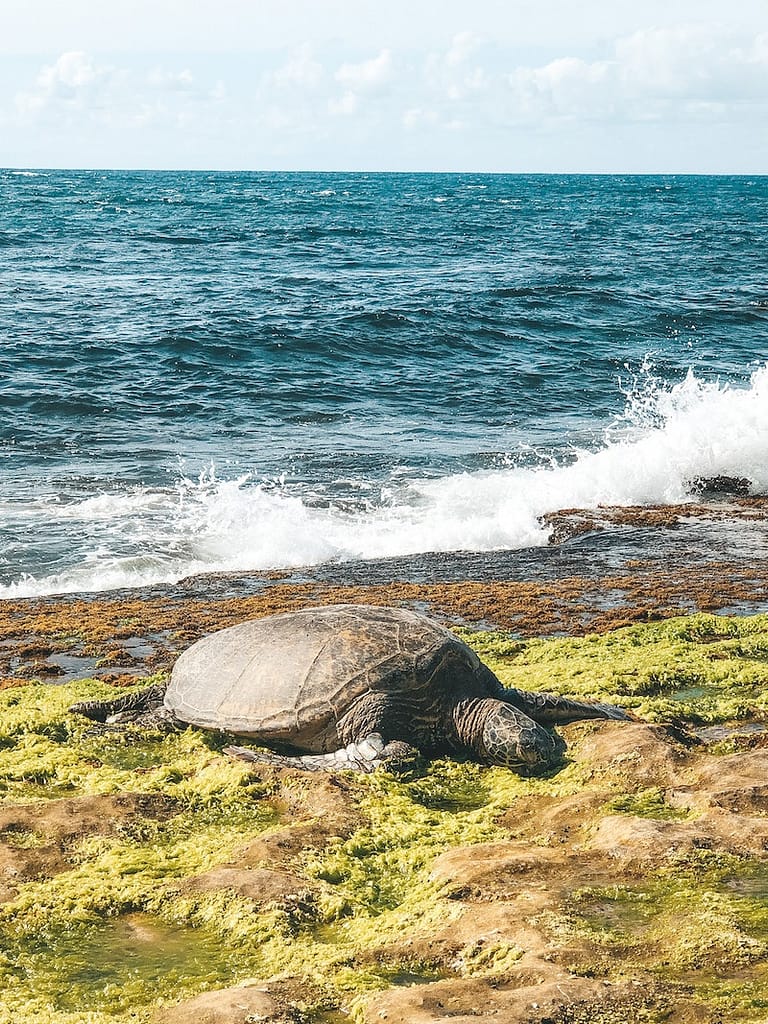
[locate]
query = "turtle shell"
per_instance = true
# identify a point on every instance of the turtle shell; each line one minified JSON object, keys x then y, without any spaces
{"x":289,"y":678}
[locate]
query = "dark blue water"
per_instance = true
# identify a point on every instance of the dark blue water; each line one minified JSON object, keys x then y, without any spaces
{"x":231,"y":370}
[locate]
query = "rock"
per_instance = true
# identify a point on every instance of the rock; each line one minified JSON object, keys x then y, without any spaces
{"x":646,"y":843}
{"x":488,"y":871}
{"x":704,"y":485}
{"x":258,"y":884}
{"x":243,"y":1004}
{"x":35,"y":839}
{"x":502,"y":1001}
{"x":638,"y":755}
{"x":736,"y":782}
{"x":553,"y":821}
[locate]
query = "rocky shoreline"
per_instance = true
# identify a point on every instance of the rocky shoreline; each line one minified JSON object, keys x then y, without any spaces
{"x":152,"y":879}
{"x":604,"y":570}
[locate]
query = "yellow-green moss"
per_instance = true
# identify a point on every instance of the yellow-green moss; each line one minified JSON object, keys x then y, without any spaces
{"x":700,"y":668}
{"x":649,"y":803}
{"x":693,"y":926}
{"x":117,"y":930}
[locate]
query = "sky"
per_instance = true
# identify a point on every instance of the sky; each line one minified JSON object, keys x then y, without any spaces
{"x":520,"y":86}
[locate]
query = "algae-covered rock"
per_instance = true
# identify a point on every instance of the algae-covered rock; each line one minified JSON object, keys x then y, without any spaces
{"x":528,"y":1001}
{"x":150,"y":878}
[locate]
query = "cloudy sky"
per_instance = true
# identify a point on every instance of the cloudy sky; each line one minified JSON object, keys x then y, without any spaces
{"x":487,"y":85}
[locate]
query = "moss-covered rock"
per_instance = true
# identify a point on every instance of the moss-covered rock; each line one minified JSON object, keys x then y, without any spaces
{"x":148,"y":877}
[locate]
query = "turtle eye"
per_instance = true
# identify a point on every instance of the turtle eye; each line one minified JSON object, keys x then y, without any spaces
{"x":514,"y":740}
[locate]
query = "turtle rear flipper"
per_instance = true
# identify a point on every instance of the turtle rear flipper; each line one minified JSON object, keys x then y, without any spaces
{"x":364,"y":755}
{"x":137,"y":703}
{"x":144,"y":708}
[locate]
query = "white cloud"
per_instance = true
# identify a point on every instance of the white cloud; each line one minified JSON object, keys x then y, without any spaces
{"x":71,"y":71}
{"x":172,"y":81}
{"x":218,"y":93}
{"x":463,"y":45}
{"x":301,"y":71}
{"x":371,"y":74}
{"x":758,"y":52}
{"x":467,"y":95}
{"x":77,"y":88}
{"x":450,"y":73}
{"x":652,"y":74}
{"x":419,"y":117}
{"x":72,"y":80}
{"x":345,"y":105}
{"x":369,"y":78}
{"x":564,"y":87}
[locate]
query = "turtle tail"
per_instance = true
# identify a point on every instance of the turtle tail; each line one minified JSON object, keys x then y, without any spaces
{"x":138,"y":703}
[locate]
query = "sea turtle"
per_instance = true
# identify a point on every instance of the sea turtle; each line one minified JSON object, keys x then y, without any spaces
{"x":352,"y":686}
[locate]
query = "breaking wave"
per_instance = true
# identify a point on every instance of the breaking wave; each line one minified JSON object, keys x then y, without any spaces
{"x":666,"y":438}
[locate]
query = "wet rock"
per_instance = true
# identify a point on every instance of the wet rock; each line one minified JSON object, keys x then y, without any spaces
{"x":713,"y":485}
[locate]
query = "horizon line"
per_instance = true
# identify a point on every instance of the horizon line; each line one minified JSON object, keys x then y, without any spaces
{"x":30,"y":168}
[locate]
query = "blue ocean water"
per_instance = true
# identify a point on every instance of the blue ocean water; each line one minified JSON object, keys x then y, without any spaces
{"x":204,"y":371}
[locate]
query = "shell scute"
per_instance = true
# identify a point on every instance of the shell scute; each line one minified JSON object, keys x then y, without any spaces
{"x":293,"y":675}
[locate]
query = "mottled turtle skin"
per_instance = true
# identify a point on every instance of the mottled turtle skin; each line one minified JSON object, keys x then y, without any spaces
{"x":353,"y":686}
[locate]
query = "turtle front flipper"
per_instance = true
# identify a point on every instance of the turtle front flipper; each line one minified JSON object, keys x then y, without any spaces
{"x":364,"y":755}
{"x":551,"y":709}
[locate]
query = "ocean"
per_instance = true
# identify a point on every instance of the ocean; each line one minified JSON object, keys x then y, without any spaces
{"x":205,"y":372}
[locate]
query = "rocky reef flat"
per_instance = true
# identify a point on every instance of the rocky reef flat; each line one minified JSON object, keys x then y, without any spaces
{"x":604,"y":569}
{"x":149,"y":878}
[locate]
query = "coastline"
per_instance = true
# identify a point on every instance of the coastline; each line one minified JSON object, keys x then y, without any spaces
{"x":609,"y":568}
{"x":151,"y":879}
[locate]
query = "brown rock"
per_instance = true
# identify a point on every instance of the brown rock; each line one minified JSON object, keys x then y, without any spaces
{"x":636,"y":754}
{"x":280,"y":848}
{"x":500,"y":1000}
{"x":478,"y":937}
{"x":488,"y":871}
{"x":735,"y":783}
{"x":35,"y":838}
{"x":243,"y":1004}
{"x":319,"y":808}
{"x":71,"y":818}
{"x":644,"y":842}
{"x":554,"y":820}
{"x":259,"y":884}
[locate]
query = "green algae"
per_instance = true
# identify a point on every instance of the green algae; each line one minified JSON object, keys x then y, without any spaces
{"x":700,"y":668}
{"x":118,"y":930}
{"x":375,"y":884}
{"x":109,"y":967}
{"x":702,"y":923}
{"x":649,"y":803}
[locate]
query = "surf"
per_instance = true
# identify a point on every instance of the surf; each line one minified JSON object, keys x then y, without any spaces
{"x":668,"y":437}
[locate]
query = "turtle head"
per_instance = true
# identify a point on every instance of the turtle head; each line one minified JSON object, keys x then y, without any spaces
{"x":512,"y":739}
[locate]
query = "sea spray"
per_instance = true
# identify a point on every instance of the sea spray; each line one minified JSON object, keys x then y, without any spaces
{"x":666,"y":438}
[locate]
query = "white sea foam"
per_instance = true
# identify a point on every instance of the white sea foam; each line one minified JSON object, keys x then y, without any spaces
{"x":666,"y":438}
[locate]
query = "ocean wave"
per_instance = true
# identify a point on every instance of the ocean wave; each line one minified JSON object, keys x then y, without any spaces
{"x":667,"y":438}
